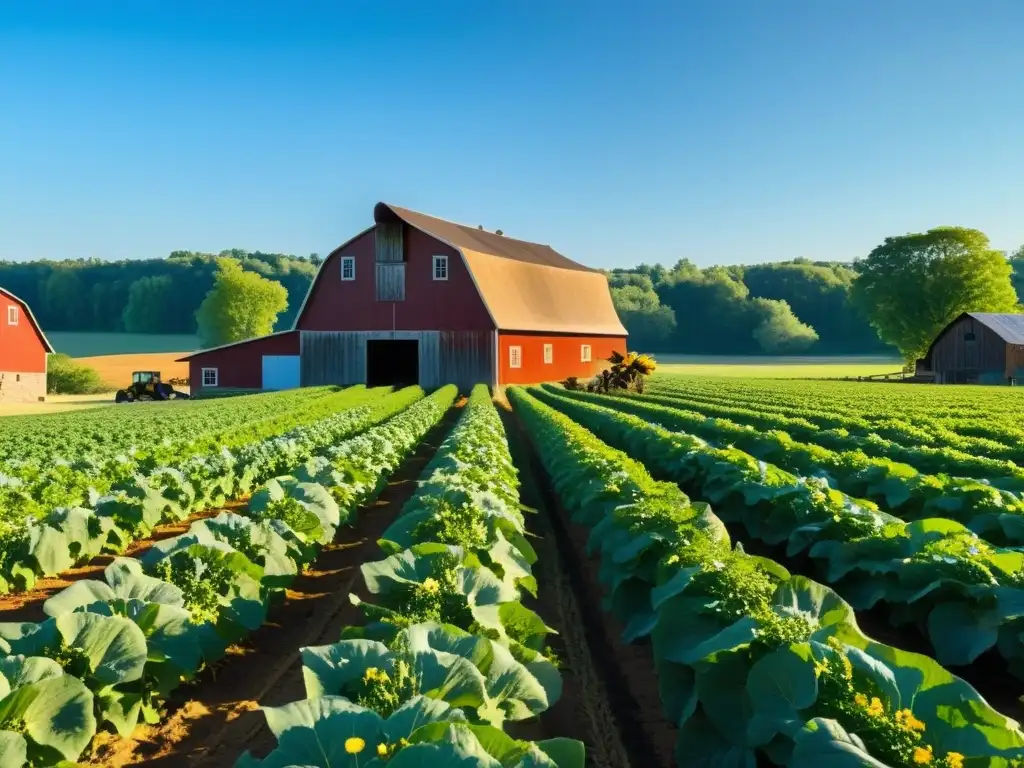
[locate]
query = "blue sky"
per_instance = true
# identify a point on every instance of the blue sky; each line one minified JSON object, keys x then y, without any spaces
{"x":725,"y":131}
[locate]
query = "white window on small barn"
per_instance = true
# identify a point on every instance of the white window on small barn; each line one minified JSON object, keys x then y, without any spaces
{"x":348,"y":267}
{"x":12,"y":314}
{"x":209,"y":377}
{"x":515,"y":357}
{"x":440,"y":267}
{"x":549,"y":354}
{"x":584,"y":353}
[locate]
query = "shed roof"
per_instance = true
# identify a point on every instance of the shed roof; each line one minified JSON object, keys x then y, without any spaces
{"x":525,"y":286}
{"x":201,"y":352}
{"x":32,"y":318}
{"x":1009,"y":327}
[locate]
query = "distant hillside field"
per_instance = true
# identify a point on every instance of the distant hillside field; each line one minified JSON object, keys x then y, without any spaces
{"x":92,"y":344}
{"x":117,"y":370}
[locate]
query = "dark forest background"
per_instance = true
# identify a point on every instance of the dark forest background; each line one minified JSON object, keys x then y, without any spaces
{"x":800,"y":306}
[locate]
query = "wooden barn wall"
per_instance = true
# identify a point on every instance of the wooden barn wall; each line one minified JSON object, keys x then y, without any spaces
{"x":952,"y":354}
{"x":390,"y":281}
{"x":339,"y":357}
{"x":388,"y":242}
{"x":1015,"y":362}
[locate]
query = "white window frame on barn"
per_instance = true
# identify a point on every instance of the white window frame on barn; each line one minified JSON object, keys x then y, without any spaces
{"x":549,"y":354}
{"x":12,"y":314}
{"x":585,"y":353}
{"x":348,"y":261}
{"x":440,"y":267}
{"x":515,"y":357}
{"x":211,"y":381}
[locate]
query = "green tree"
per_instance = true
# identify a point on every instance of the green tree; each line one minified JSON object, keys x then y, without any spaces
{"x":911,"y":286}
{"x":1017,"y":276}
{"x":150,"y":300}
{"x":780,"y":332}
{"x":241,"y":305}
{"x":649,"y":323}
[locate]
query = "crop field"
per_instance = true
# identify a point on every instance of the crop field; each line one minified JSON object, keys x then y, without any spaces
{"x":716,"y":572}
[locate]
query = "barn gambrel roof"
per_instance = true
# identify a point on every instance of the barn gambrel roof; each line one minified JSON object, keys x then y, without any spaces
{"x":524,"y":286}
{"x":32,"y":318}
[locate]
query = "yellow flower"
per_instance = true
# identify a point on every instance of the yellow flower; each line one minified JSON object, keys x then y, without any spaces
{"x":354,"y":745}
{"x":370,"y":673}
{"x":382,"y":750}
{"x":954,"y":760}
{"x":847,"y":666}
{"x":861,"y":700}
{"x":430,"y":585}
{"x":905,"y":719}
{"x":922,"y":755}
{"x":672,"y":560}
{"x":876,"y":709}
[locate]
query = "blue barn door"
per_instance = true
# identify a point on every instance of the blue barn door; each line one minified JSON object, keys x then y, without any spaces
{"x":280,"y":371}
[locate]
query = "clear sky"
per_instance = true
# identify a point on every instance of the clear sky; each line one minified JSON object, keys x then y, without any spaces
{"x":725,"y":131}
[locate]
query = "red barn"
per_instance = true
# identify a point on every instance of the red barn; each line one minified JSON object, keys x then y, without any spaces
{"x":415,"y":299}
{"x":23,"y":350}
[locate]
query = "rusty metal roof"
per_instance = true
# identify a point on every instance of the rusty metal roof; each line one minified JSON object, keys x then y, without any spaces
{"x":525,"y":286}
{"x":1010,"y":328}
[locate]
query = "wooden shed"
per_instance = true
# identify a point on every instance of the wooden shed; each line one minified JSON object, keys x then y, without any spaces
{"x":978,"y":348}
{"x":417,"y":299}
{"x":23,"y":351}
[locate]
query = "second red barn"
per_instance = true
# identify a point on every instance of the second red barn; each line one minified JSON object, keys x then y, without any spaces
{"x":419,"y":300}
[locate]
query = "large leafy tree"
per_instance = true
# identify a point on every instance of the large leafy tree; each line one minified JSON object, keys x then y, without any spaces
{"x":241,"y":305}
{"x":911,"y":286}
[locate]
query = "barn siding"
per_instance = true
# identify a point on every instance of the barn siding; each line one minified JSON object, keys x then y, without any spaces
{"x":955,"y":359}
{"x":390,"y":281}
{"x":388,"y":242}
{"x":240,"y":366}
{"x":21,"y":346}
{"x":339,"y":357}
{"x":565,"y":361}
{"x":439,"y":305}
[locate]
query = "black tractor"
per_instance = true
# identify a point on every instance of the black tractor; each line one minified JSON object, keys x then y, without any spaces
{"x":146,"y":385}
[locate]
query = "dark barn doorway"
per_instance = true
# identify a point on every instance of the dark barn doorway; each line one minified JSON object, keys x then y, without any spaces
{"x":392,"y":363}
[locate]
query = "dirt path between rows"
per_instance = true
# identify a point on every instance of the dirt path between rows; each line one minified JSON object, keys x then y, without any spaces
{"x":28,"y":605}
{"x":610,"y":698}
{"x":212,"y":721}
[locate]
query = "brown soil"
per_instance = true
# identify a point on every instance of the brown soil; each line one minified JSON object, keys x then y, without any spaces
{"x":611,"y":693}
{"x":212,"y":721}
{"x":28,"y":605}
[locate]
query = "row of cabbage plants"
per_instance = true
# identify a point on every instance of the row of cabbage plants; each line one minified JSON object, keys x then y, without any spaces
{"x":138,"y":502}
{"x":448,"y":655}
{"x":902,"y":421}
{"x":924,"y":458}
{"x":965,"y":595}
{"x":976,"y":412}
{"x":113,"y":650}
{"x":33,"y":488}
{"x":751,"y":659}
{"x":102,"y":432}
{"x":994,"y":513}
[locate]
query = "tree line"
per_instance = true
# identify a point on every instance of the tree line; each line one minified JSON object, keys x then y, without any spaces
{"x":144,"y":295}
{"x":894,"y":300}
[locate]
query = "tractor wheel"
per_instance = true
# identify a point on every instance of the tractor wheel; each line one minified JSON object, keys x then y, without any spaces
{"x":123,"y":396}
